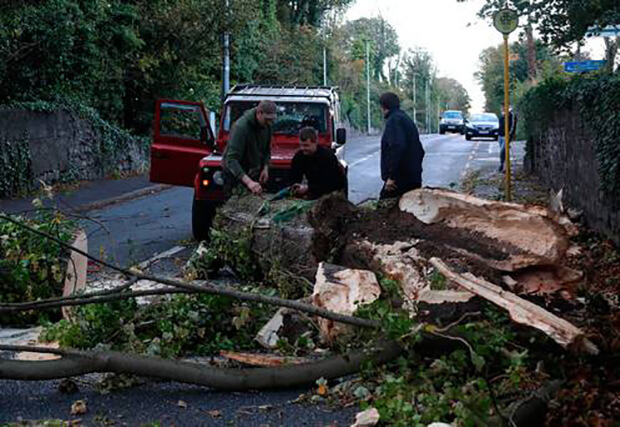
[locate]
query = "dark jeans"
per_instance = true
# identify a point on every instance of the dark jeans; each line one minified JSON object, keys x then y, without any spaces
{"x":385,"y":194}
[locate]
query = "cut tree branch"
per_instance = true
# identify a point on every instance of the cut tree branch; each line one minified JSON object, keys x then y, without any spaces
{"x":42,"y":305}
{"x":75,"y":362}
{"x":210,"y":289}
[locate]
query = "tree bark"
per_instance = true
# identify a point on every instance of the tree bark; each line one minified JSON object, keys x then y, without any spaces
{"x":79,"y":363}
{"x":611,"y":51}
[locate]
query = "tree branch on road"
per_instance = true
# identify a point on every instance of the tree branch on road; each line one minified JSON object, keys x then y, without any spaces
{"x":75,"y":362}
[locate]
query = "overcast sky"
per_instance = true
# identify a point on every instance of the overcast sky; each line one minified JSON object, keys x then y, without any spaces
{"x":449,"y":30}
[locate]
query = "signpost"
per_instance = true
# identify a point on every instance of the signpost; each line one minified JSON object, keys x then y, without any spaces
{"x":583,"y":66}
{"x":506,"y":21}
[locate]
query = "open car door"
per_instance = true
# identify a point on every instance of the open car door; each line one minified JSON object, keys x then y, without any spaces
{"x":181,"y":137}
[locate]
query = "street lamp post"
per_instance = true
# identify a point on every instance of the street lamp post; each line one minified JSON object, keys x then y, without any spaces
{"x":415,"y":113}
{"x":368,"y":85}
{"x":226,"y":51}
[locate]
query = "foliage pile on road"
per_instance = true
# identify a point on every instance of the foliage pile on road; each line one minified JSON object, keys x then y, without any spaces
{"x":199,"y":325}
{"x":596,"y":98}
{"x":465,"y":363}
{"x":32,"y":268}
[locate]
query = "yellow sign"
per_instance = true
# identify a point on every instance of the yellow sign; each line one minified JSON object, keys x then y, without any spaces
{"x":506,"y":21}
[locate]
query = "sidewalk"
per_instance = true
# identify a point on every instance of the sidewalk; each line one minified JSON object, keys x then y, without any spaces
{"x":90,"y":195}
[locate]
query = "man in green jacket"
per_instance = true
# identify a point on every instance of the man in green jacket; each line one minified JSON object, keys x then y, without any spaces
{"x":248,"y":153}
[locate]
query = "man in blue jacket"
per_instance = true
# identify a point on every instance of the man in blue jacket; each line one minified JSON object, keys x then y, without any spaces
{"x":401,"y":150}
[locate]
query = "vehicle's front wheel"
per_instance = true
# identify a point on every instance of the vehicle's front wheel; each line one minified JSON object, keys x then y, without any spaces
{"x":468,"y":137}
{"x":203,"y":212}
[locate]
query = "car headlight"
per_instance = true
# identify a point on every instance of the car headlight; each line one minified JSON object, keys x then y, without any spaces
{"x":218,"y":178}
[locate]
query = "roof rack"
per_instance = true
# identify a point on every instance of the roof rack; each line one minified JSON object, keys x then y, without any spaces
{"x":283,"y":90}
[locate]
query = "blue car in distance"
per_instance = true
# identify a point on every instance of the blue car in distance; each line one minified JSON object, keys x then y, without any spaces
{"x":482,"y":125}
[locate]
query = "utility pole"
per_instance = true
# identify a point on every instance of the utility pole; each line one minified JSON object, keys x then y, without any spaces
{"x":415,"y":112}
{"x":436,"y":119}
{"x":427,"y":107}
{"x":324,"y":65}
{"x":368,"y":86}
{"x":226,"y":51}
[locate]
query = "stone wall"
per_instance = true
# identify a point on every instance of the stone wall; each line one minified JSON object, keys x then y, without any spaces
{"x":66,"y":148}
{"x":563,"y":156}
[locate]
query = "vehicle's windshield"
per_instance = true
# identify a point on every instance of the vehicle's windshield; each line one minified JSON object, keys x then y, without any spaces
{"x":484,"y":118}
{"x":453,"y":115}
{"x":292,"y":116}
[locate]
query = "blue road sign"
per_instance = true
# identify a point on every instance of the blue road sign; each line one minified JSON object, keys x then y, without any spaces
{"x":583,"y":66}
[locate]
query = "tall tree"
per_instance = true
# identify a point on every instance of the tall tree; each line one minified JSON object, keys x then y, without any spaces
{"x":452,"y":95}
{"x":491,"y":70}
{"x":307,"y":12}
{"x":560,"y":22}
{"x":382,"y":40}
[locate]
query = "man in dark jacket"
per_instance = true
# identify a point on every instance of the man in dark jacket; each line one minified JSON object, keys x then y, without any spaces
{"x":401,"y":150}
{"x":318,"y":164}
{"x":512,"y":128}
{"x":248,"y":152}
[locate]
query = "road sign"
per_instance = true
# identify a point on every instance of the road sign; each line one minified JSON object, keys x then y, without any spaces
{"x":583,"y":66}
{"x":608,"y":31}
{"x":506,"y":21}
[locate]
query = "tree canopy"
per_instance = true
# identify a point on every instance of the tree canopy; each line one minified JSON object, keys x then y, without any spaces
{"x":119,"y":56}
{"x":560,"y":22}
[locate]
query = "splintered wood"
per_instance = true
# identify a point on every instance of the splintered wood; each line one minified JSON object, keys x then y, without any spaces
{"x":520,"y":310}
{"x":342,"y":290}
{"x":527,"y":236}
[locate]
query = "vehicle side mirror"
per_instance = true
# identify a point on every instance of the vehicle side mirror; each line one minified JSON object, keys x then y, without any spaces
{"x":341,"y":136}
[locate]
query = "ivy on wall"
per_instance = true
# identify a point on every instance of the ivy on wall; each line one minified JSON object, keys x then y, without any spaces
{"x":113,"y":140}
{"x":16,"y":176}
{"x":110,"y":146}
{"x":596,"y":98}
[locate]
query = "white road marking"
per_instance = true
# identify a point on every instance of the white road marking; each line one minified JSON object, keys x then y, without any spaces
{"x":160,"y":255}
{"x":445,"y":153}
{"x":363,"y":159}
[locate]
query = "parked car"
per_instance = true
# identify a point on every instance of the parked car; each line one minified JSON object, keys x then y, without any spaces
{"x":452,"y":121}
{"x":482,"y":125}
{"x":185,"y":152}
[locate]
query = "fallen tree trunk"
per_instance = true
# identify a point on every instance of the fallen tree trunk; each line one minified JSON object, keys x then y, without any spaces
{"x":84,"y":362}
{"x":526,"y":237}
{"x":520,"y":310}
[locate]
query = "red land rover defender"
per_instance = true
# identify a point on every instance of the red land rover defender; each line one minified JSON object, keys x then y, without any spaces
{"x":185,"y":152}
